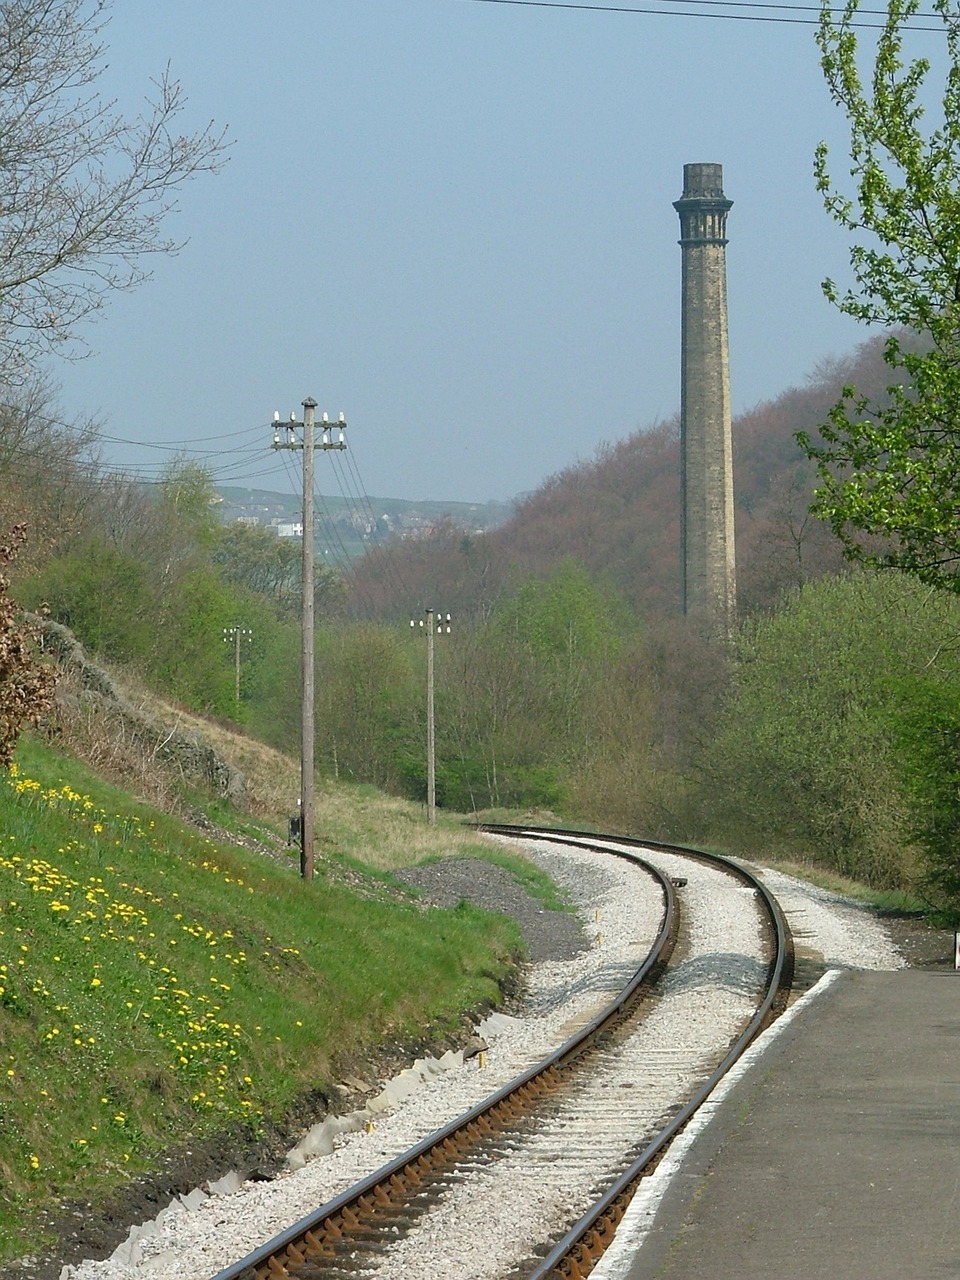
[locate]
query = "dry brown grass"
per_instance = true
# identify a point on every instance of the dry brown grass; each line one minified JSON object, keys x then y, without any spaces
{"x":381,"y":831}
{"x":272,"y":778}
{"x":386,"y":831}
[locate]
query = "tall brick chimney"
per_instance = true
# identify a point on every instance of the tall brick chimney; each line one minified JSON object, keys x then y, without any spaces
{"x":707,"y":532}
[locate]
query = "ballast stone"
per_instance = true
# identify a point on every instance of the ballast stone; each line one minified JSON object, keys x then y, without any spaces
{"x":321,"y":1139}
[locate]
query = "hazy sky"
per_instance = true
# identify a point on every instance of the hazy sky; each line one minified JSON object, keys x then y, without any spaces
{"x":452,"y":220}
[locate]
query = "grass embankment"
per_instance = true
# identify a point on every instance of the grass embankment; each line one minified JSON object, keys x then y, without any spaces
{"x":156,"y":984}
{"x":885,"y":901}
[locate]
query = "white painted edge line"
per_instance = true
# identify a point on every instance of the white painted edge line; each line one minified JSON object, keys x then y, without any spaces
{"x":638,"y":1219}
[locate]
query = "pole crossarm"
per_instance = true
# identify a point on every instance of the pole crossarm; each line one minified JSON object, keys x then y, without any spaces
{"x":292,"y":426}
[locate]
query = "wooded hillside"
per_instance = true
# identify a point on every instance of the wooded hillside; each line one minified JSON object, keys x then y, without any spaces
{"x":618,"y":514}
{"x":568,"y":682}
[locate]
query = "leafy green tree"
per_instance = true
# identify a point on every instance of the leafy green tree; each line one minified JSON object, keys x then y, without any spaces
{"x":365,"y":698}
{"x":805,"y":757}
{"x":611,"y":783}
{"x":889,"y":468}
{"x":255,"y":558}
{"x":514,"y":714}
{"x":649,"y":715}
{"x":176,"y":538}
{"x":188,"y":655}
{"x":569,"y":629}
{"x":494,"y":748}
{"x":104,"y":595}
{"x":271,"y":682}
{"x":927,"y":733}
{"x":188,"y":502}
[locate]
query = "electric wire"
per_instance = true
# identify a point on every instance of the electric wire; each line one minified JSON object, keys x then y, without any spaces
{"x":342,"y":560}
{"x":21,"y":462}
{"x":357,"y":518}
{"x":352,"y":485}
{"x":225,"y":466}
{"x":704,"y":12}
{"x":385,"y":561}
{"x":331,"y":529}
{"x":254,"y":431}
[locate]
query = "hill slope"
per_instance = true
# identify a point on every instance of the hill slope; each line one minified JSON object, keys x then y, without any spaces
{"x":174,"y":999}
{"x":619,"y":515}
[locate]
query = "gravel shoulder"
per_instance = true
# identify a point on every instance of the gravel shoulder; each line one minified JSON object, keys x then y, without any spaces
{"x":549,"y":935}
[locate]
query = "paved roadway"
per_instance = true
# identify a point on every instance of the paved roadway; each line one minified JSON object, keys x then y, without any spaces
{"x":836,"y":1156}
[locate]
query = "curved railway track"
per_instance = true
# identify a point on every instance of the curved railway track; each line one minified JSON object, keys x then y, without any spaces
{"x":549,"y":1162}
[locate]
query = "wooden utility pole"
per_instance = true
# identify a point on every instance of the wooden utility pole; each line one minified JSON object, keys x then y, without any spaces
{"x":306,"y":652}
{"x":236,"y":634}
{"x":308,"y":445}
{"x":431,"y":733}
{"x":440,"y":627}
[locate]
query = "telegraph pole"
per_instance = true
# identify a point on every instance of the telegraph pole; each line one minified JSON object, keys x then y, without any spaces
{"x":307,"y":443}
{"x":440,"y":626}
{"x":235,"y":634}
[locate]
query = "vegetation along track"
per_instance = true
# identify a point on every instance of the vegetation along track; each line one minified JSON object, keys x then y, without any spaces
{"x":532,"y":1182}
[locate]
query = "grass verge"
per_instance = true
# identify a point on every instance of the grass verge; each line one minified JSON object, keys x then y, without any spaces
{"x":156,"y":984}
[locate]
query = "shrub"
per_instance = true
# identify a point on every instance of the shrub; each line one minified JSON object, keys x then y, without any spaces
{"x":26,"y":685}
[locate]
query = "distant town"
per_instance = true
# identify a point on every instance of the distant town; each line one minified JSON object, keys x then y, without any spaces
{"x":357,"y":523}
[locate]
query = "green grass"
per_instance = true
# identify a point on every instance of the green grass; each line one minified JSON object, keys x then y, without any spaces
{"x":156,"y":985}
{"x":889,"y":901}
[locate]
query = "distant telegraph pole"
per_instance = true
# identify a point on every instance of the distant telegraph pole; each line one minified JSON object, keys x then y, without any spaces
{"x":439,"y":626}
{"x":306,"y":442}
{"x":236,"y":634}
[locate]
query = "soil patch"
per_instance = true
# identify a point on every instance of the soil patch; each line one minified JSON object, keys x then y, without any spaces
{"x":921,"y":944}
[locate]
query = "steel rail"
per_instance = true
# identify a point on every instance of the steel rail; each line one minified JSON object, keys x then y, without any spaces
{"x":575,"y":1255}
{"x":357,"y":1207}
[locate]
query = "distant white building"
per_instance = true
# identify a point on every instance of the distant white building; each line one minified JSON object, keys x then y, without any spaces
{"x":290,"y":529}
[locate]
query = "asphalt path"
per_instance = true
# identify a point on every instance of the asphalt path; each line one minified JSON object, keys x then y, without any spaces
{"x":836,"y":1155}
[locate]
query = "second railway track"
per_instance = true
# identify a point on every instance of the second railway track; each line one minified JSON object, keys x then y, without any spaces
{"x":532,"y":1184}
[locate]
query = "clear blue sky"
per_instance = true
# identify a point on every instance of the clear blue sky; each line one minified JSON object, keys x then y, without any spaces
{"x":453,"y":221}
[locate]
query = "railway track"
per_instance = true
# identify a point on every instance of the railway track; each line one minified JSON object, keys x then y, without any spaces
{"x":531,"y":1183}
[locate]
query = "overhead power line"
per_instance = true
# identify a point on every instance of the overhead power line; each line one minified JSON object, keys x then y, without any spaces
{"x":719,"y":9}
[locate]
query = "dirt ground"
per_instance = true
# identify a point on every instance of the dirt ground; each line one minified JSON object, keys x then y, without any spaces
{"x":921,"y":945}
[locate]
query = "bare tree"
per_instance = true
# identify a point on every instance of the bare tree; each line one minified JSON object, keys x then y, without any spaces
{"x":48,"y":473}
{"x":84,"y":192}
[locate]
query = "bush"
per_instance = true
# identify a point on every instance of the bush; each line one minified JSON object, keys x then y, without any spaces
{"x":805,"y":758}
{"x":927,"y":731}
{"x":26,"y":686}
